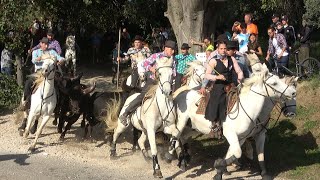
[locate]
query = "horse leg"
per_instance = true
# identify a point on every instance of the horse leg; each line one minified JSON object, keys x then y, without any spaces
{"x":260,"y":140}
{"x":117,"y":132}
{"x":152,"y":141}
{"x":142,"y":140}
{"x":22,"y":128}
{"x":233,"y":154}
{"x":74,"y":65}
{"x":31,"y":118}
{"x":135,"y":139}
{"x":34,"y":127}
{"x":61,"y":122}
{"x":43,"y":123}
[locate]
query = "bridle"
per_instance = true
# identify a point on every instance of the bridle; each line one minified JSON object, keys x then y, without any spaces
{"x":161,"y":84}
{"x":197,"y":76}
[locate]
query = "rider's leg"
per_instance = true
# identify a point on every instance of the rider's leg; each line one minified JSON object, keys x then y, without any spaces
{"x":178,"y":81}
{"x":136,"y":102}
{"x":134,"y":77}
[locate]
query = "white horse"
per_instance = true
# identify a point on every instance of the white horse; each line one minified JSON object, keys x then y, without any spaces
{"x":44,"y":100}
{"x":155,"y":114}
{"x":70,"y":55}
{"x":241,"y":121}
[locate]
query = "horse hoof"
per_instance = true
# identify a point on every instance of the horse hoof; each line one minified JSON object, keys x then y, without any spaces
{"x":217,"y":177}
{"x":157,"y":173}
{"x":21,"y":131}
{"x":266,"y":177}
{"x":31,"y":150}
{"x":183,"y":166}
{"x":54,"y":122}
{"x":59,"y":130}
{"x":113,"y":154}
{"x":168,"y":157}
{"x":33,"y":130}
{"x":146,"y":156}
{"x":135,"y":148}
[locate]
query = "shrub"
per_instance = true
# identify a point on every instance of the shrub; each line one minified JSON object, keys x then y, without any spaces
{"x":10,"y":92}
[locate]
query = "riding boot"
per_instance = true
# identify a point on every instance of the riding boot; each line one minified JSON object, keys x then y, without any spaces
{"x":129,"y":110}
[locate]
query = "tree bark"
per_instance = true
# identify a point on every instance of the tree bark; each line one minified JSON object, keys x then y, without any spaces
{"x":188,"y":20}
{"x":19,"y":71}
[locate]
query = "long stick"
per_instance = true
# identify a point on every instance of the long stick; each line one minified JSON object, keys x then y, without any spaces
{"x":118,"y":59}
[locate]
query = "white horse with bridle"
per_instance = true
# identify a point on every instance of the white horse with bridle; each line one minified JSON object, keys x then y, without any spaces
{"x":44,"y":100}
{"x":71,"y":55}
{"x":241,"y":119}
{"x":157,"y":113}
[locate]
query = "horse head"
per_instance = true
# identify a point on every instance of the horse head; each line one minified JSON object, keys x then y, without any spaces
{"x":275,"y":87}
{"x":164,"y":74}
{"x":48,"y":66}
{"x":196,"y":72}
{"x":70,"y":41}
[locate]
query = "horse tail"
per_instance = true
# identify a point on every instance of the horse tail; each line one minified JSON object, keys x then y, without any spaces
{"x":180,"y":90}
{"x":113,"y":108}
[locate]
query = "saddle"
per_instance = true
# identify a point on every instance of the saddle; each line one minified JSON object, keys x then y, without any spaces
{"x":203,"y":102}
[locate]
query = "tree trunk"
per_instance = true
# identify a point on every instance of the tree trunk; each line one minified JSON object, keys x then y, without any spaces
{"x":188,"y":20}
{"x":19,"y":71}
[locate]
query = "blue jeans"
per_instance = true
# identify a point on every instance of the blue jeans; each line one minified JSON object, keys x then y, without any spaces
{"x":6,"y":70}
{"x":284,"y":61}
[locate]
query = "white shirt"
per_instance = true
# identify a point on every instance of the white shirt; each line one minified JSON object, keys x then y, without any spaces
{"x":278,"y":48}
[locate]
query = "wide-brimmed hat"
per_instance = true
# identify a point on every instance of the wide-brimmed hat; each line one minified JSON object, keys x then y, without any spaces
{"x":185,"y":46}
{"x":138,"y":38}
{"x":232,"y":45}
{"x":50,"y":32}
{"x":170,"y":44}
{"x":44,"y":40}
{"x":222,"y":37}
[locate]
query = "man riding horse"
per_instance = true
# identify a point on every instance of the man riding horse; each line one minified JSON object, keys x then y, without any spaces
{"x":149,"y":65}
{"x":137,"y":54}
{"x":37,"y":56}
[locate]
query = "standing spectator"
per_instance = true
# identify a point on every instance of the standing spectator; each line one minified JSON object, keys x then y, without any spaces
{"x":207,"y":45}
{"x":279,"y":28}
{"x":242,"y":38}
{"x":254,"y":46}
{"x":164,"y":33}
{"x":278,"y":49}
{"x":251,"y":28}
{"x":6,"y":62}
{"x":304,"y":38}
{"x":158,"y":40}
{"x":275,"y":20}
{"x":95,"y":40}
{"x":53,"y":44}
{"x":232,"y":50}
{"x":182,"y":60}
{"x":125,"y":40}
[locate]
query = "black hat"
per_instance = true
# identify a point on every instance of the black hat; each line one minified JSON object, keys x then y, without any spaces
{"x":138,"y":38}
{"x":50,"y":32}
{"x":284,"y":18}
{"x":185,"y":46}
{"x":170,"y":44}
{"x":275,"y":15}
{"x":232,"y":45}
{"x":44,"y":40}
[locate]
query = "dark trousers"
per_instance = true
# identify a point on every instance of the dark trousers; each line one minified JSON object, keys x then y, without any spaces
{"x":284,"y":61}
{"x":178,"y":81}
{"x":134,"y":77}
{"x":28,"y":89}
{"x":138,"y":100}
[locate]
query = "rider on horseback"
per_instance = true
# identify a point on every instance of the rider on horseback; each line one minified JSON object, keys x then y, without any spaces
{"x":137,"y":54}
{"x":37,"y":57}
{"x":149,"y":65}
{"x":223,"y":66}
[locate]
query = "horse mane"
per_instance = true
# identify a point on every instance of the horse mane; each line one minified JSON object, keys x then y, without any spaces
{"x":152,"y":91}
{"x":251,"y":58}
{"x":249,"y":82}
{"x":165,"y":61}
{"x":39,"y":79}
{"x":180,"y":90}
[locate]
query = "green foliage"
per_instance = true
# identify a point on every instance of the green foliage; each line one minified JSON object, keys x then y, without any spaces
{"x":10,"y":92}
{"x":312,"y":14}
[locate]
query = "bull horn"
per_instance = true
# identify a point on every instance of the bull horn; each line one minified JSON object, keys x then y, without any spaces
{"x":77,"y":77}
{"x":88,"y":90}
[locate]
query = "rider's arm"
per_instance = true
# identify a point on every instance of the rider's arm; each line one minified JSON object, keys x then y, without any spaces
{"x":35,"y":57}
{"x":57,"y":46}
{"x":148,"y":63}
{"x":211,"y":65}
{"x":55,"y":54}
{"x":237,"y":69}
{"x":36,"y":47}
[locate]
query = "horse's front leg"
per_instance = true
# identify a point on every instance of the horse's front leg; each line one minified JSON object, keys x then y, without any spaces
{"x":39,"y":131}
{"x":74,"y":61}
{"x":260,"y":140}
{"x":152,"y":141}
{"x":135,"y":139}
{"x":141,"y":141}
{"x":24,"y":123}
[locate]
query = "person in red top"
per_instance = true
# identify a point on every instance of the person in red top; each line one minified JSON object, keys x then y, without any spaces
{"x":251,"y":28}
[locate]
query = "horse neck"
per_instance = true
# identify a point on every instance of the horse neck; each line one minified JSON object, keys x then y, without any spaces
{"x":163,"y":102}
{"x":192,"y":83}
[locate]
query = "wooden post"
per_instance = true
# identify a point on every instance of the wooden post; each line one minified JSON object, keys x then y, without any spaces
{"x":118,"y":59}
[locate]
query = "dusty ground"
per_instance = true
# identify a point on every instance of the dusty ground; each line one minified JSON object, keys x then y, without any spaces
{"x":74,"y":159}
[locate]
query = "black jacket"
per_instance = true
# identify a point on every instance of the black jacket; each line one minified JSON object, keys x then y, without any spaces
{"x":290,"y":35}
{"x":305,"y":36}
